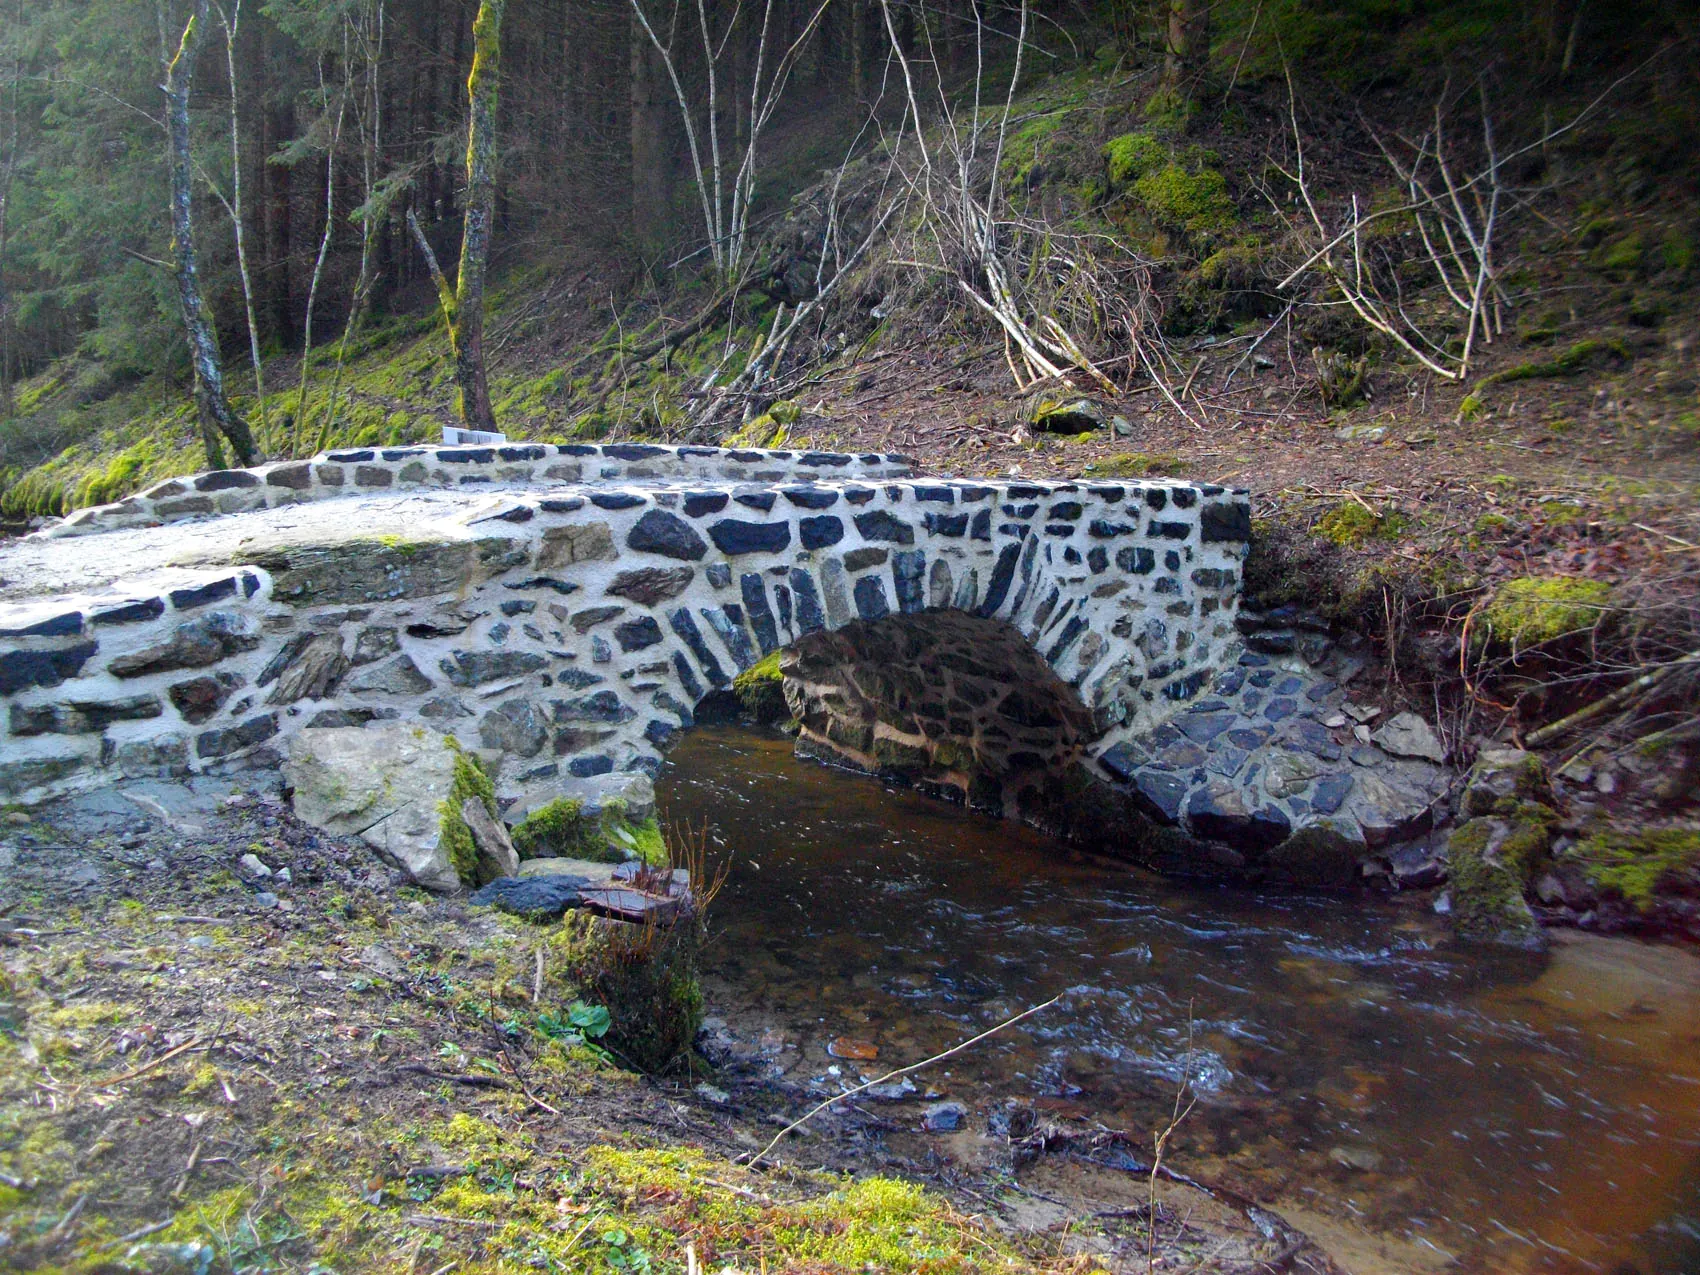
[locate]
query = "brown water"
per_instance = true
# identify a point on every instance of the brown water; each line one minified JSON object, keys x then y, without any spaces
{"x":1407,"y":1099}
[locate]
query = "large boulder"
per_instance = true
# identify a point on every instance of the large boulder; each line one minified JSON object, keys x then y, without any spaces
{"x":383,"y":783}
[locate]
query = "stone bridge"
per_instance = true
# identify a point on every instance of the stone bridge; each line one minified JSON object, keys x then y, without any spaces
{"x":1067,"y":651}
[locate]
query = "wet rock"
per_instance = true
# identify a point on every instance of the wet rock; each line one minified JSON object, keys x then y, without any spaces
{"x":850,"y":1047}
{"x":1418,"y":866}
{"x":944,"y":1117}
{"x":1407,"y":735}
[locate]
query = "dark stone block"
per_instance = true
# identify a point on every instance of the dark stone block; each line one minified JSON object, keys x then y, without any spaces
{"x":687,"y":676}
{"x":130,"y":612}
{"x":203,"y":595}
{"x":650,"y":585}
{"x":297,"y":477}
{"x":561,"y":504}
{"x":20,"y":670}
{"x":731,"y":535}
{"x":881,"y":524}
{"x":518,"y":606}
{"x":862,"y":559}
{"x":668,"y":535}
{"x":1279,"y":709}
{"x":1159,"y":796}
{"x":1021,"y":511}
{"x":1059,"y":529}
{"x":1204,"y":727}
{"x":534,"y":898}
{"x":562,"y":587}
{"x":615,"y":499}
{"x":467,"y":456}
{"x":579,"y":449}
{"x":820,"y":531}
{"x":728,"y":622}
{"x":1226,"y":520}
{"x":1185,"y":688}
{"x":953,"y":525}
{"x":1157,"y":498}
{"x":599,"y":706}
{"x":1104,"y":529}
{"x":69,"y":624}
{"x":1003,"y":575}
{"x":746,"y":458}
{"x":817,"y":459}
{"x":981,"y":527}
{"x":698,"y":503}
{"x":859,"y":495}
{"x":871,"y":603}
{"x":1169,"y":530}
{"x":636,"y":634}
{"x":576,"y":679}
{"x":402,"y":453}
{"x":754,"y":590}
{"x":682,"y":624}
{"x":944,"y":495}
{"x":183,"y":508}
{"x":513,"y":454}
{"x":233,"y":739}
{"x":762,"y":500}
{"x":475,"y":668}
{"x":811,"y":497}
{"x":1071,"y":631}
{"x":632,"y":451}
{"x":1219,"y":814}
{"x":907,"y":569}
{"x":199,"y":698}
{"x":658,"y":732}
{"x":1330,"y":793}
{"x":82,"y":717}
{"x":1137,"y":561}
{"x":1184,"y":497}
{"x":1067,"y":510}
{"x":810,"y":617}
{"x":585,"y":767}
{"x":226,"y":480}
{"x":348,"y":458}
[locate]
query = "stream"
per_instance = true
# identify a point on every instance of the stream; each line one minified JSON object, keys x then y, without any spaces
{"x":1415,"y":1103}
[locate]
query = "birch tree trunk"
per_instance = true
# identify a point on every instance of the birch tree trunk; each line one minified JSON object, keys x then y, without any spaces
{"x":217,"y":418}
{"x":468,"y":322}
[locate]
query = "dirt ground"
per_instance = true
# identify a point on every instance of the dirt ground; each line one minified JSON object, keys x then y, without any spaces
{"x":205,"y":1067}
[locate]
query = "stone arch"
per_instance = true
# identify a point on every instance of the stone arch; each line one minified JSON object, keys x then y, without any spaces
{"x":563,"y":609}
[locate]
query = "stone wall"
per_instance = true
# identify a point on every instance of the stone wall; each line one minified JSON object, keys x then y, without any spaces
{"x":566,"y":628}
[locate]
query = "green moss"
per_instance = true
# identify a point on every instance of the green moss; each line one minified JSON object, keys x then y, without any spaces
{"x":1136,"y":465}
{"x":1491,"y":523}
{"x":1349,"y":524}
{"x":1622,"y":258}
{"x":469,"y":781}
{"x":1637,"y":868}
{"x":1196,"y":202}
{"x":1532,"y":609}
{"x":554,"y":830}
{"x":1131,"y":156}
{"x":761,"y":689}
{"x":1488,"y":866}
{"x":1577,"y":359}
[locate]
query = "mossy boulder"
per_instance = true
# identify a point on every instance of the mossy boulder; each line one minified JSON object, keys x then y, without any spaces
{"x":761,"y":690}
{"x":1067,"y":415}
{"x":1502,"y":779}
{"x":1531,"y":610}
{"x":1642,"y":869}
{"x":568,"y":828}
{"x":1490,"y":862}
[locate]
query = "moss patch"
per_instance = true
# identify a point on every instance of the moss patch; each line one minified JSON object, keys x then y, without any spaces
{"x":1136,"y":465}
{"x":469,"y":781}
{"x":1577,"y":359}
{"x":761,"y":690}
{"x":1349,"y":524}
{"x":1531,"y":610}
{"x":1489,"y":863}
{"x":1639,"y":868}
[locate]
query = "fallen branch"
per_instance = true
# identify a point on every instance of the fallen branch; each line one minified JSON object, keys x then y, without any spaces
{"x":1619,"y":697}
{"x":893,"y":1075}
{"x":157,"y":1062}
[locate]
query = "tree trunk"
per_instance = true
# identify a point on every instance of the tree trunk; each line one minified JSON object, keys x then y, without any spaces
{"x":649,"y":165}
{"x":481,"y":90}
{"x":1188,"y":43}
{"x":216,"y":417}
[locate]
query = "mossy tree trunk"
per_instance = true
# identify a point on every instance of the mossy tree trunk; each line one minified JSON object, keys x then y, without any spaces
{"x":1187,"y":45}
{"x":463,"y":305}
{"x":217,"y":418}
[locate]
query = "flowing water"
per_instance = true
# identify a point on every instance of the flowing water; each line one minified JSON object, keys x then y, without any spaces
{"x":1399,"y":1095}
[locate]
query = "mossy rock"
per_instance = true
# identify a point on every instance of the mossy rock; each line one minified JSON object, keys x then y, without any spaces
{"x":469,"y":781}
{"x":1490,"y":862}
{"x":1532,"y":610}
{"x":1131,"y":156}
{"x":1504,"y":778}
{"x":761,"y":690}
{"x":1136,"y":465}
